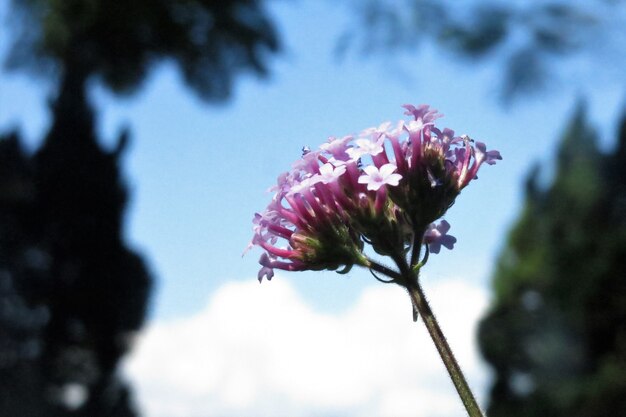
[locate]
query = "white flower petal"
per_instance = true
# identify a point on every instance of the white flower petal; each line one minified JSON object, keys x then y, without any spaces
{"x":387,"y":169}
{"x":393,"y":179}
{"x":371,"y":170}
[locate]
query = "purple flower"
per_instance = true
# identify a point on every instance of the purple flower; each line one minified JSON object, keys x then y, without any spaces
{"x":423,"y":112}
{"x":382,"y":187}
{"x":366,"y":147}
{"x":437,"y":236}
{"x":489,"y":157}
{"x":329,"y":173}
{"x":265,"y":271}
{"x":337,"y":147}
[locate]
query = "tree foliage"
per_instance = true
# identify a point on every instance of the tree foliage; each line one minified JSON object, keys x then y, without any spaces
{"x":211,"y":42}
{"x":529,"y":39}
{"x":556,"y":332}
{"x":72,"y":293}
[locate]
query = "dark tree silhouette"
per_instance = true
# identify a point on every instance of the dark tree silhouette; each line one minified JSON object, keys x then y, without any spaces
{"x":556,"y":331}
{"x":211,"y":42}
{"x":22,"y":319}
{"x":72,"y":294}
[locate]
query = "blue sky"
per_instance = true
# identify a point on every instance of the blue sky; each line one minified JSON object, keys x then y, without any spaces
{"x":198,"y":172}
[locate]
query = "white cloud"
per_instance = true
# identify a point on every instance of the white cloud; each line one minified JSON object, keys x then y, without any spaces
{"x":259,"y":350}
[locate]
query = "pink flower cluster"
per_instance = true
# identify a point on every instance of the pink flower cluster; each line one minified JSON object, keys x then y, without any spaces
{"x":385,"y":187}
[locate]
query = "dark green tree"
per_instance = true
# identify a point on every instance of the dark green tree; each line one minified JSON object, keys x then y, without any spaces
{"x":117,"y":42}
{"x":72,"y":293}
{"x":556,"y":332}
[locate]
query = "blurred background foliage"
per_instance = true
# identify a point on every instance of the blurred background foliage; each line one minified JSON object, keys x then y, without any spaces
{"x":210,"y":42}
{"x":555,"y":335}
{"x":73,"y":294}
{"x":556,"y":332}
{"x":533,"y":42}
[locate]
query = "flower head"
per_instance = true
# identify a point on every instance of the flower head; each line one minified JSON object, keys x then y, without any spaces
{"x":386,"y":187}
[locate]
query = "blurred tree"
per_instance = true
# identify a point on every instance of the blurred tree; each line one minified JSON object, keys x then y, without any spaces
{"x":210,"y":41}
{"x":530,"y":39}
{"x":72,"y":294}
{"x":22,"y":322}
{"x":556,"y":332}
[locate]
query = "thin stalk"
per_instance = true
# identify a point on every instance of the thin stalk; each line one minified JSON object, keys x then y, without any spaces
{"x":418,"y":236}
{"x":375,"y":266}
{"x":454,"y":370}
{"x":417,"y":246}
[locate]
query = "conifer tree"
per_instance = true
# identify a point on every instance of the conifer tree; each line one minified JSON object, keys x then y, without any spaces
{"x":556,"y":332}
{"x":72,"y":291}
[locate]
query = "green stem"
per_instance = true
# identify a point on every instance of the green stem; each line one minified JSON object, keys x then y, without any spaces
{"x":417,"y":247}
{"x":383,"y":269}
{"x":418,"y":237}
{"x":408,"y":277}
{"x":454,"y":370}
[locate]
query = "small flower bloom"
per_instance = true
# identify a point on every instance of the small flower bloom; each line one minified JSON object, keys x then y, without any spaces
{"x":489,"y":157}
{"x":337,"y":147}
{"x":301,"y":186}
{"x":308,"y":163}
{"x":376,"y":132}
{"x":376,"y":178}
{"x":416,"y":126}
{"x":265,"y":271}
{"x":366,"y":147}
{"x":329,"y":173}
{"x":423,"y":111}
{"x":437,"y":236}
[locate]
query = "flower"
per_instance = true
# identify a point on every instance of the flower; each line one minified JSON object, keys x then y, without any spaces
{"x":329,"y":173}
{"x":337,"y":147}
{"x":387,"y":187}
{"x":437,"y":236}
{"x":376,"y":178}
{"x":366,"y":147}
{"x":489,"y":157}
{"x":266,"y":271}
